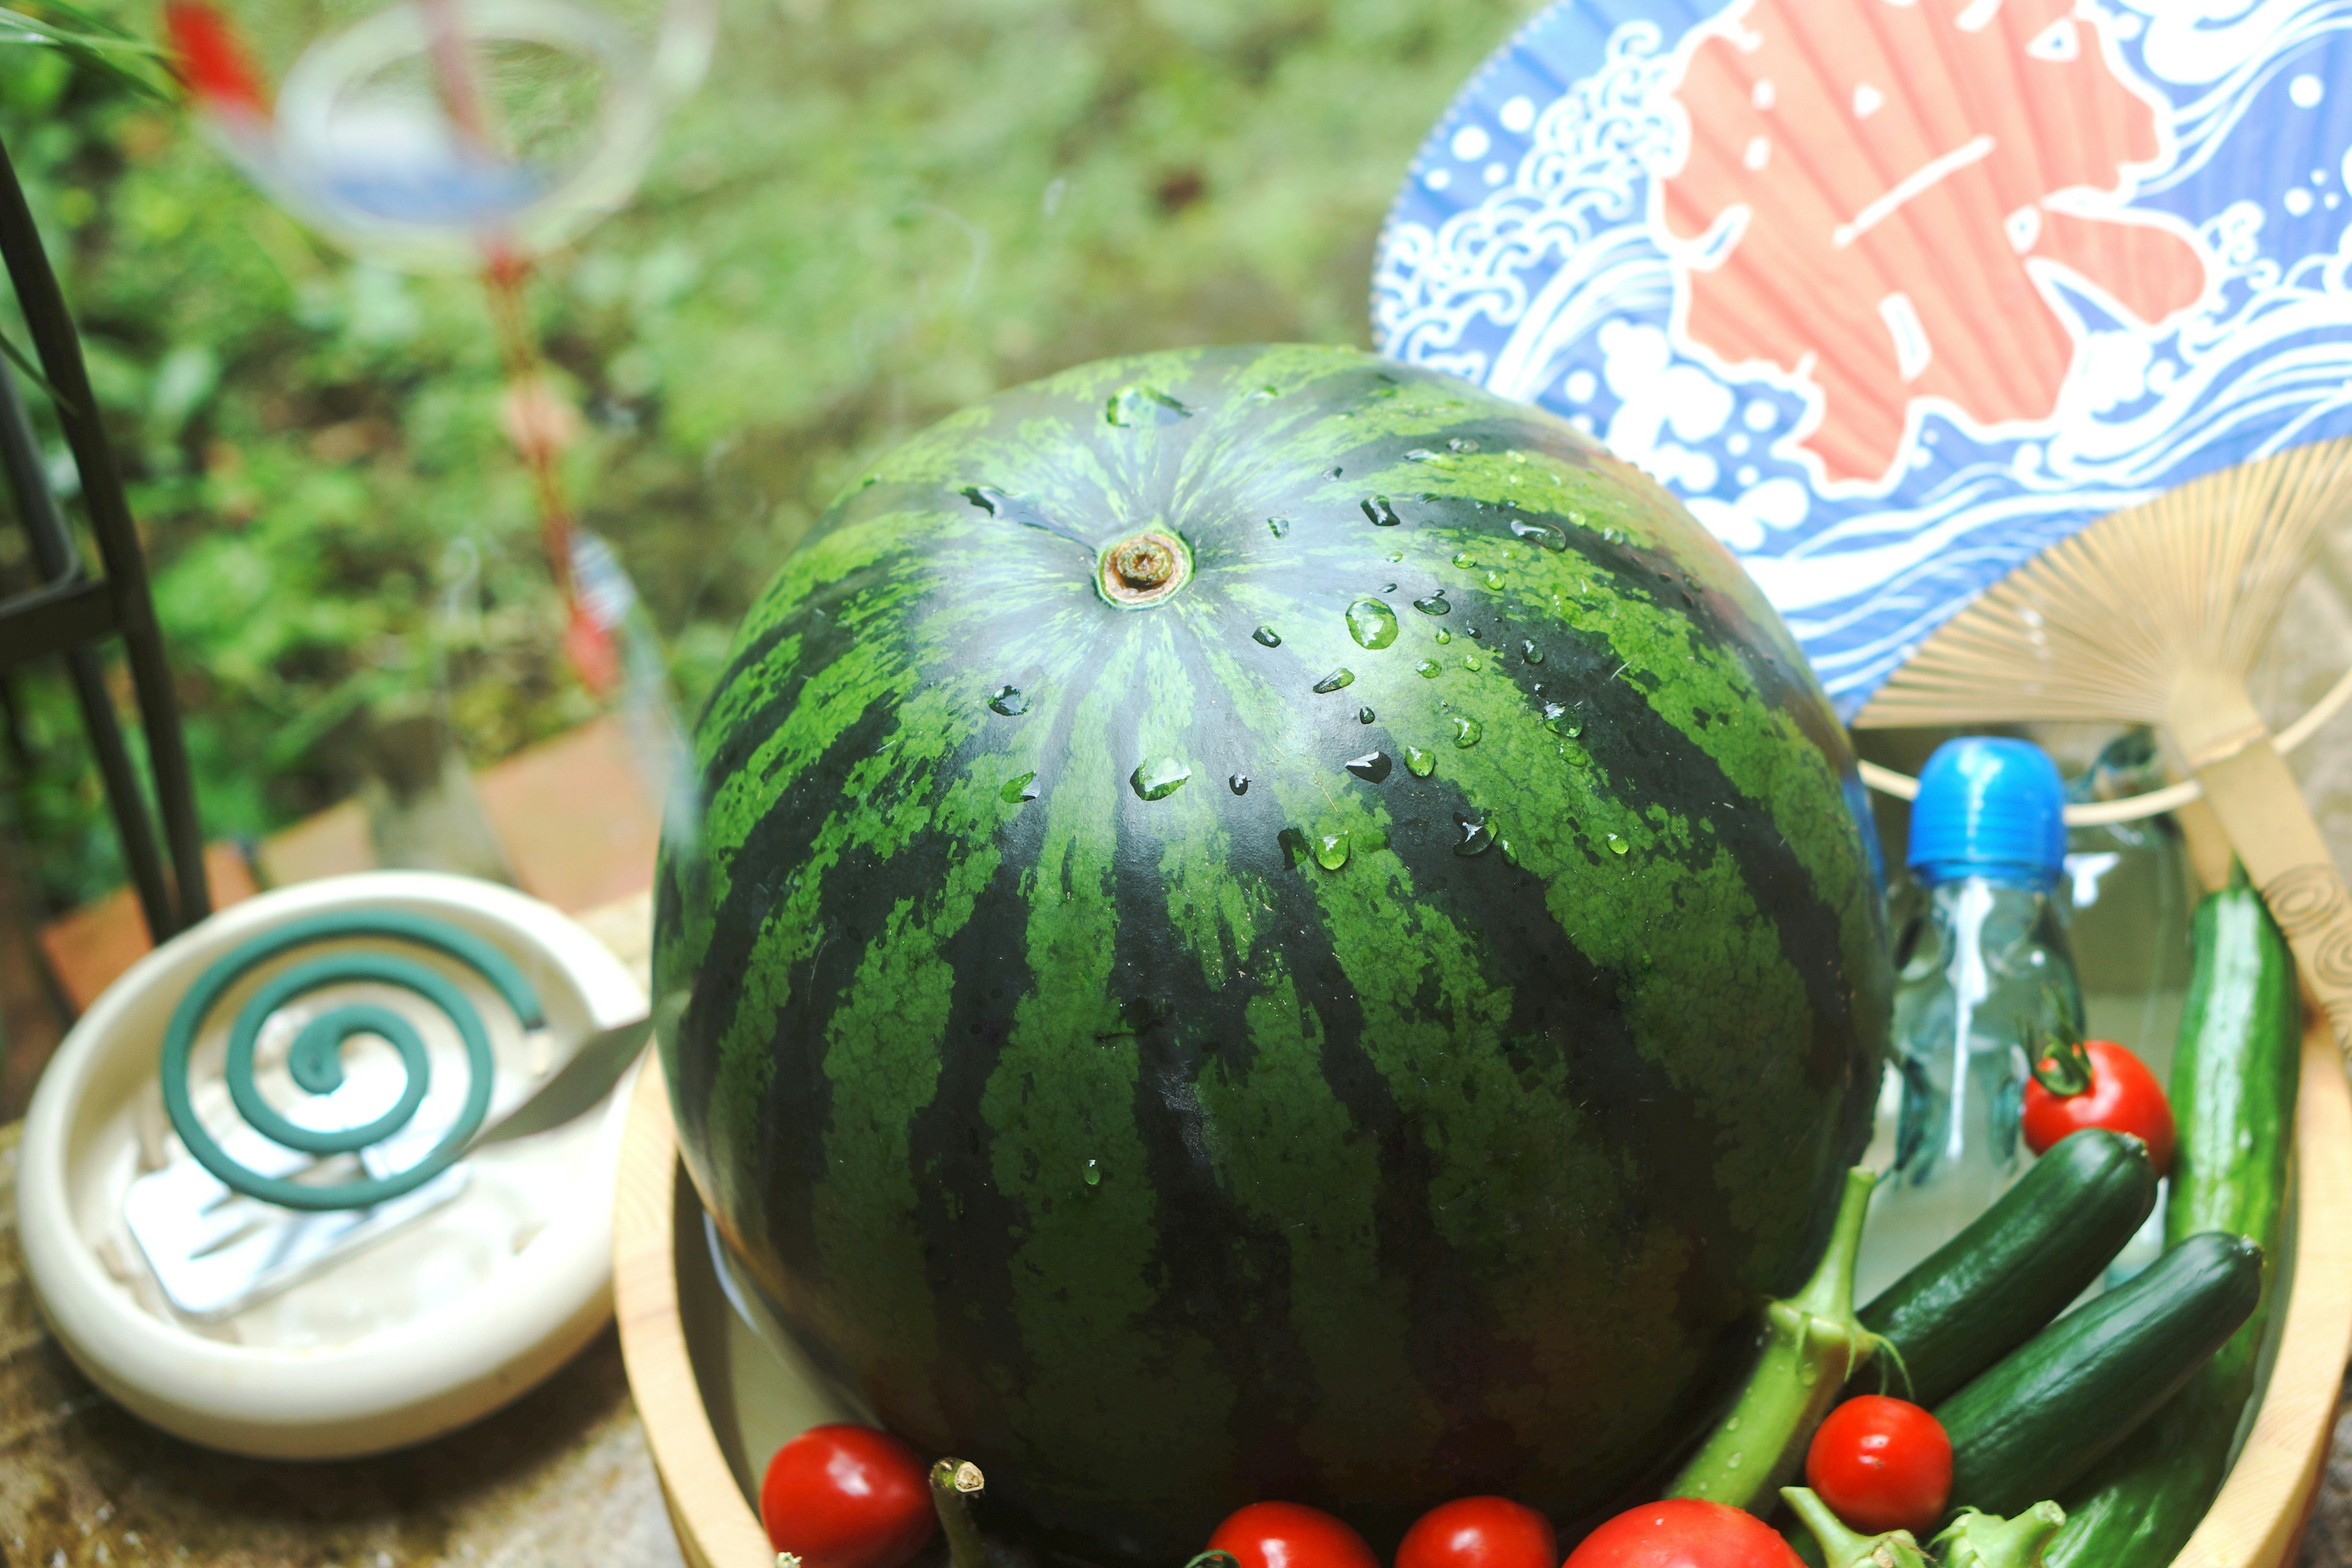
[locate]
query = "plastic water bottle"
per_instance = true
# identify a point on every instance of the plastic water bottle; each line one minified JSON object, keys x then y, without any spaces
{"x":1982,"y":967}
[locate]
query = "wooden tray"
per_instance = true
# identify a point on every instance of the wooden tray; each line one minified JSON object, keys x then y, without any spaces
{"x":717,"y":1400}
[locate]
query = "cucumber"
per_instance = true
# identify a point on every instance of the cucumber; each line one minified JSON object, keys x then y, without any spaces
{"x":2233,"y":1086}
{"x":1990,"y":1287}
{"x":2052,"y":1408}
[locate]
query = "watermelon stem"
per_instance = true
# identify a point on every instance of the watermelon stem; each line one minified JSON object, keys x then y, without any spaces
{"x":1812,"y":1343}
{"x":1843,"y":1548}
{"x":954,"y":1483}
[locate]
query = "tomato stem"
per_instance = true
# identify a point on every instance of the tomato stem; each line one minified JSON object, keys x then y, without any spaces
{"x":1812,"y":1343}
{"x":1987,"y":1540}
{"x":1843,"y":1548}
{"x":954,"y":1483}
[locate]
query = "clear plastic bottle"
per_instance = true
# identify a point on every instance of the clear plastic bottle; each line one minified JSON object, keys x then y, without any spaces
{"x":1982,"y":965}
{"x":2133,"y":896}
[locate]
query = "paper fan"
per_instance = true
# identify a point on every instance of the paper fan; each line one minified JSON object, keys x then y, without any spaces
{"x":1897,"y":295}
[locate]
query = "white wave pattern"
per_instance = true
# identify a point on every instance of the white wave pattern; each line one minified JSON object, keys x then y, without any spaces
{"x":1514,"y":291}
{"x":1582,"y":175}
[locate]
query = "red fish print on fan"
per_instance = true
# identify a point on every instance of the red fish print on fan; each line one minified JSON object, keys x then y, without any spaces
{"x":1876,"y":190}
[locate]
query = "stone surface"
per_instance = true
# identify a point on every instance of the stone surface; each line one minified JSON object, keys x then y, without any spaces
{"x":561,"y":1478}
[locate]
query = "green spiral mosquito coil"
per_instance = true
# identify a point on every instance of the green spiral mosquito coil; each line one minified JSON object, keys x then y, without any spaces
{"x":314,"y":1059}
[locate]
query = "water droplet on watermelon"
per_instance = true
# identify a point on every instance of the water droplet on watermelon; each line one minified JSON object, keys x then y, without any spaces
{"x":1131,"y":406}
{"x":1531,"y":652}
{"x":1238,"y":783}
{"x":1461,"y":443}
{"x":1462,"y":558}
{"x":1268,"y":636}
{"x":1494,"y":579}
{"x":1475,"y":841}
{"x":1540,"y":534}
{"x":1430,"y":667}
{"x":1443,"y":636}
{"x":1009,"y":701}
{"x":1094,"y":1174}
{"x":1371,"y":623}
{"x":1617,"y":844}
{"x":1435,"y":604}
{"x":1465,"y":730}
{"x":1372,"y":767}
{"x":1470,"y":661}
{"x":1733,"y":1463}
{"x":1336,"y":679}
{"x":1562,"y":720}
{"x":1017,"y":790}
{"x":1732,"y":1424}
{"x":1331,"y":850}
{"x":1393,"y":555}
{"x":1378,"y":509}
{"x":1419,"y":455}
{"x":1423,"y":763}
{"x":1279,"y":526}
{"x":1265,"y":393}
{"x":1365,"y":716}
{"x":1159,"y":778}
{"x":1017,"y":509}
{"x":1332,"y":472}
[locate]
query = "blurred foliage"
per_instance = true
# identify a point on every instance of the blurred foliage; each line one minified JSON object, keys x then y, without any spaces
{"x":874,"y":212}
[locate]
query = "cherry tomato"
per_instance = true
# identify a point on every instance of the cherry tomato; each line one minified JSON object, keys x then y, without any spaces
{"x":1479,"y":1532}
{"x":1882,"y":1464}
{"x":1684,"y":1532}
{"x":1290,"y":1535}
{"x":2123,"y":1097}
{"x":847,"y":1496}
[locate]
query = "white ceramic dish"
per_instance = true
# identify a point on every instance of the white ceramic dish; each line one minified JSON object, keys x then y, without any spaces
{"x":511,"y":1304}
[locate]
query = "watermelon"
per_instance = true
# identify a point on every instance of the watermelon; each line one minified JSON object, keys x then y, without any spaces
{"x":1269,"y":924}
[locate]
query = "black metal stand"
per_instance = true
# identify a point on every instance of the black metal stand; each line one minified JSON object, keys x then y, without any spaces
{"x":73,"y":613}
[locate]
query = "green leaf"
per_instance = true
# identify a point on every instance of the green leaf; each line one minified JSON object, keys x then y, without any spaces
{"x":102,"y":48}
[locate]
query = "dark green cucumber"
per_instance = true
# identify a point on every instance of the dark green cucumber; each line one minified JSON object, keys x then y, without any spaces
{"x":2233,"y":1087}
{"x":1992,"y":1286}
{"x":2052,"y":1408}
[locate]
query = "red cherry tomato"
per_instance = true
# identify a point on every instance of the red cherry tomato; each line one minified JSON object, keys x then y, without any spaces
{"x":1684,"y":1532}
{"x":847,"y":1496}
{"x":2123,"y":1097}
{"x":1479,"y":1532}
{"x":1882,"y":1464}
{"x":1290,"y":1535}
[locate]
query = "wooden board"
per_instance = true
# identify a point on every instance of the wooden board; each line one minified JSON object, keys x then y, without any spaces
{"x":2255,"y":1522}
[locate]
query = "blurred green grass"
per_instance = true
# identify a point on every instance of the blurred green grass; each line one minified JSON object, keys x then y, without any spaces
{"x":874,"y":212}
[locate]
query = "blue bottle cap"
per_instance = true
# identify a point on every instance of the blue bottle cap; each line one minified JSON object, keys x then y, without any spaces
{"x":1988,"y":807}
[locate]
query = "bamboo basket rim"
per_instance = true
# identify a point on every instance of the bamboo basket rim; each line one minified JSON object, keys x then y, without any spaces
{"x":2256,"y":1521}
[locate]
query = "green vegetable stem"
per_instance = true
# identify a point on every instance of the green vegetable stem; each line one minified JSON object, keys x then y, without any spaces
{"x":1987,"y":1540}
{"x":1812,"y":1343}
{"x":954,"y":1483}
{"x":1842,"y":1548}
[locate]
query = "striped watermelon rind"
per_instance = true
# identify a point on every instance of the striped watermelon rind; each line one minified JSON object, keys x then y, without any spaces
{"x":1161,"y":1142}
